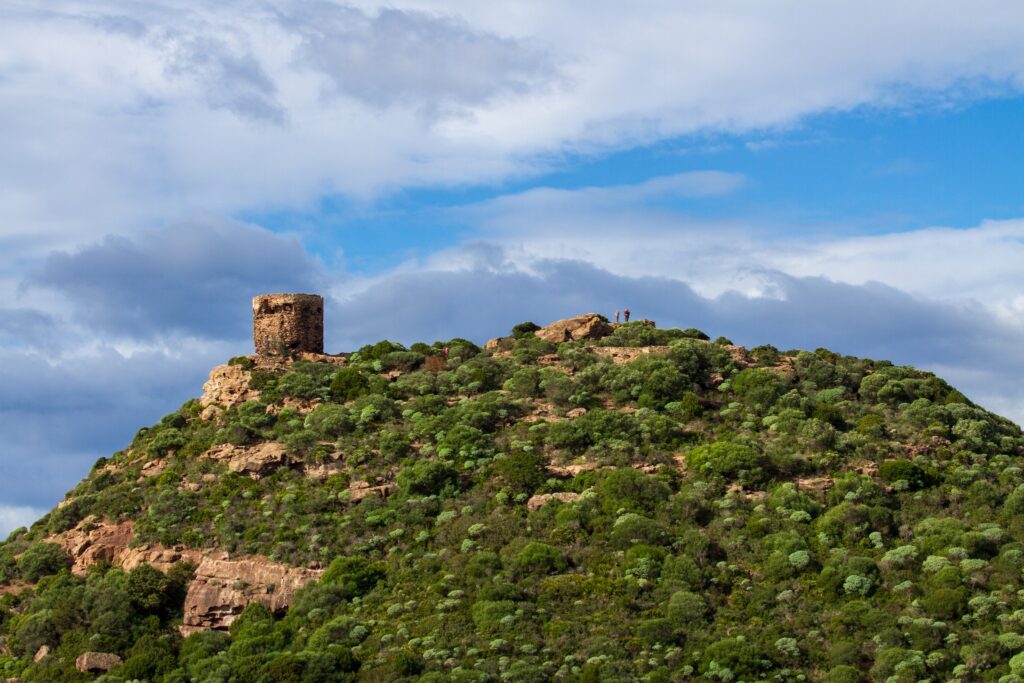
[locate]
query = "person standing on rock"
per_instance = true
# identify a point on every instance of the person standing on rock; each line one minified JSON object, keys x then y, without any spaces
{"x":616,"y":316}
{"x":625,"y":314}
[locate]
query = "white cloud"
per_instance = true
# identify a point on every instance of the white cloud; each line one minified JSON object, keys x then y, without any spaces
{"x":119,"y":115}
{"x":622,"y":229}
{"x":14,"y":516}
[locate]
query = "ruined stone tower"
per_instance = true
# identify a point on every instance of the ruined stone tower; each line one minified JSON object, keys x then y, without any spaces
{"x":288,"y":322}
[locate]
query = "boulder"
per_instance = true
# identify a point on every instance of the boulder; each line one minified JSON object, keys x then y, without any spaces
{"x":542,"y":499}
{"x":94,"y":541}
{"x":97,"y":662}
{"x":253,"y":461}
{"x":624,"y":354}
{"x":358,"y":490}
{"x":228,"y":386}
{"x":222,"y":588}
{"x":586,"y":326}
{"x":41,"y":653}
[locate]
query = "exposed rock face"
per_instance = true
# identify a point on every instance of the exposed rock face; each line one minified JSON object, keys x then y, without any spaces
{"x":228,"y":386}
{"x":542,"y":499}
{"x":254,"y":461}
{"x":97,"y":662}
{"x":223,"y":588}
{"x":41,"y":653}
{"x":93,"y":541}
{"x":625,"y":354}
{"x":587,"y":326}
{"x":358,"y":490}
{"x":288,"y":322}
{"x":570,"y":470}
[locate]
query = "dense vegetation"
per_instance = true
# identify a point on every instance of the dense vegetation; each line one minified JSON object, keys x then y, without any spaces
{"x":779,"y":516}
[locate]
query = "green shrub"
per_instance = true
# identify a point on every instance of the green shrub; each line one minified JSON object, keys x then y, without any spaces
{"x":728,"y":459}
{"x":758,"y":388}
{"x":686,"y":609}
{"x":916,"y":476}
{"x":428,"y":478}
{"x":524,"y":329}
{"x":540,"y":558}
{"x":42,"y":559}
{"x":348,"y":384}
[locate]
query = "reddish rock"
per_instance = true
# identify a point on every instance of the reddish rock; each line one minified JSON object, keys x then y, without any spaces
{"x":97,"y":662}
{"x":358,"y":490}
{"x":624,"y":354}
{"x":253,"y":461}
{"x":586,"y":326}
{"x":222,"y":588}
{"x":571,"y":470}
{"x":228,"y":386}
{"x":542,"y":499}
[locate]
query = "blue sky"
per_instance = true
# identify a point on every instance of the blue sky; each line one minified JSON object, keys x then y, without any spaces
{"x":836,"y":174}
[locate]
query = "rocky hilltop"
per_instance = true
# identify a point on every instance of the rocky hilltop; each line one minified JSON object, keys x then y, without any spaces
{"x":587,"y":501}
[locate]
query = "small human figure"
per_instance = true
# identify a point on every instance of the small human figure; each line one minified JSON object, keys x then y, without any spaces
{"x":446,"y":353}
{"x":625,"y":314}
{"x":616,"y":316}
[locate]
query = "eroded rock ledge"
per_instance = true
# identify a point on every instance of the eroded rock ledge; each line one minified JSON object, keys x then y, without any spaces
{"x":223,"y":586}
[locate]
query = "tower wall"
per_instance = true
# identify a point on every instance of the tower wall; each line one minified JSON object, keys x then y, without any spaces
{"x":288,"y":322}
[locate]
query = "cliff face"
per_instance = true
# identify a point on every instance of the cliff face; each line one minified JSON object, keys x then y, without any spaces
{"x":221,"y":588}
{"x":582,"y":501}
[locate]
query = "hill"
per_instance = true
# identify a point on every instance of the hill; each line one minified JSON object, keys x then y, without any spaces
{"x":583,"y":502}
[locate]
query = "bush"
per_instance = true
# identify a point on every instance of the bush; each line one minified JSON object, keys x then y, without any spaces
{"x":916,"y":476}
{"x":628,"y":489}
{"x":728,"y":459}
{"x":844,"y":673}
{"x":686,"y":609}
{"x":540,"y":558}
{"x":759,"y":388}
{"x":42,"y":559}
{"x":523,"y":472}
{"x":329,"y":421}
{"x":352,"y":576}
{"x":348,"y":384}
{"x":524,"y":329}
{"x":428,"y":478}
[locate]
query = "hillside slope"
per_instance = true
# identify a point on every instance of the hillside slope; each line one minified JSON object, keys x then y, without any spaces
{"x":632,"y":503}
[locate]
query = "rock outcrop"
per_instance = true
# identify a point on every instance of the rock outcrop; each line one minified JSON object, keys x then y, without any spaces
{"x":222,"y":588}
{"x":253,"y":461}
{"x":542,"y":499}
{"x":625,"y":354}
{"x":228,"y":386}
{"x":586,"y":326}
{"x":358,"y":490}
{"x":97,"y":662}
{"x":94,"y":541}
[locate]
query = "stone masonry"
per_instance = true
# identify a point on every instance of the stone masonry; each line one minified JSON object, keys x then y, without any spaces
{"x":288,"y":322}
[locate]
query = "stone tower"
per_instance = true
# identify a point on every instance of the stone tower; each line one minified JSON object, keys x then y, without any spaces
{"x":288,"y":322}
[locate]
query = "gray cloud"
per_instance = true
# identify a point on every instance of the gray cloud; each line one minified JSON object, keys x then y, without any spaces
{"x":970,"y":347}
{"x":59,"y":414}
{"x":229,"y":77}
{"x":194,"y":278}
{"x":27,"y":327}
{"x":432,"y":62}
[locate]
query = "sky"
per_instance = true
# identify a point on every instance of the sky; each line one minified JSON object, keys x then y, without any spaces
{"x":839,"y":174}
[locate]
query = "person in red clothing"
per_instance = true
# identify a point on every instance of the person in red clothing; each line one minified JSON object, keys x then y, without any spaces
{"x":625,"y":314}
